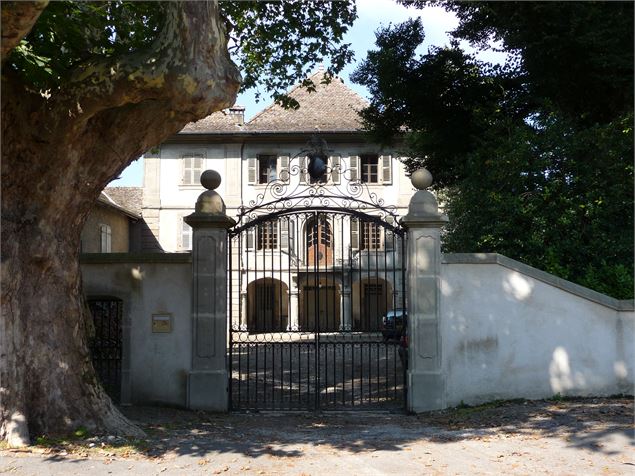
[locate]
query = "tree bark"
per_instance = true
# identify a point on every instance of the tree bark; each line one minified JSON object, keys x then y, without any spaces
{"x":17,"y":20}
{"x":58,"y":153}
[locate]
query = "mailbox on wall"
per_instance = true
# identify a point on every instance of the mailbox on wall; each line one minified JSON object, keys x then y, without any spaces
{"x":162,"y":323}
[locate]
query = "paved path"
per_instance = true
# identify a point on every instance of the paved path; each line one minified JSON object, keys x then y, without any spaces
{"x":564,"y":438}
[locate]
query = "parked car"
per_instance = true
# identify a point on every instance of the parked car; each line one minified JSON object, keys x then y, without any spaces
{"x":393,"y":324}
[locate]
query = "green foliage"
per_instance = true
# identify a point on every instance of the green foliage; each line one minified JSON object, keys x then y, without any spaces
{"x":69,"y":35}
{"x":521,"y":171}
{"x":576,"y":55}
{"x":274,"y":43}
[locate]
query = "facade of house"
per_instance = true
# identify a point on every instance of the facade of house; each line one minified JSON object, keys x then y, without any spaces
{"x":113,"y":224}
{"x":315,"y":258}
{"x":299,"y":264}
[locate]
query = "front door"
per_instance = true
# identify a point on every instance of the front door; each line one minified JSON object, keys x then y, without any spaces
{"x":321,"y":305}
{"x":319,"y":242}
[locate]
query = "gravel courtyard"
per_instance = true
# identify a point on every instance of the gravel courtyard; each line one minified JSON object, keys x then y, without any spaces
{"x":576,"y":436}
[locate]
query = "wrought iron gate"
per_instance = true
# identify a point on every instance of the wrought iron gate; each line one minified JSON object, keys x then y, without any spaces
{"x":106,"y":343}
{"x":316,"y":272}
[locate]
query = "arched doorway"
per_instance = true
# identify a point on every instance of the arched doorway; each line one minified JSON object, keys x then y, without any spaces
{"x":267,"y":305}
{"x":319,"y":241}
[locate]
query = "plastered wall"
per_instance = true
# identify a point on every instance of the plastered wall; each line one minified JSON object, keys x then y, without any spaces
{"x":510,"y":331}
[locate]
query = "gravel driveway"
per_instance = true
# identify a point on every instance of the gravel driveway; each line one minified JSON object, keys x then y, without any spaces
{"x":579,"y":436}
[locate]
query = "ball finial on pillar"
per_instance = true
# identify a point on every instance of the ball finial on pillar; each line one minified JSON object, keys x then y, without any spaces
{"x":210,"y":179}
{"x":421,"y":179}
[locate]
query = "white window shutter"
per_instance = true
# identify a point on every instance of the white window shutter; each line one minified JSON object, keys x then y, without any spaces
{"x":284,"y":233}
{"x":249,"y":238}
{"x":386,"y":174}
{"x":354,"y":168}
{"x":283,"y":168}
{"x":252,"y":171}
{"x":197,"y":169}
{"x":291,"y":234}
{"x":389,"y":236}
{"x":354,"y":233}
{"x":185,"y":236}
{"x":186,"y":177}
{"x":303,"y":170}
{"x":335,"y":169}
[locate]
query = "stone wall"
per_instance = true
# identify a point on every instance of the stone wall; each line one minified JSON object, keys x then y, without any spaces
{"x":506,"y":330}
{"x":512,"y":331}
{"x":155,"y":364}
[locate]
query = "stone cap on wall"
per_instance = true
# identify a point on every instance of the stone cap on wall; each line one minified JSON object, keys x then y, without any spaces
{"x":106,"y":258}
{"x":548,"y":278}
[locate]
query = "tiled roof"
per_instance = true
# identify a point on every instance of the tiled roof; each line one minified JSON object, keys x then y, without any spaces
{"x":331,"y":107}
{"x":127,"y":199}
{"x":228,"y":120}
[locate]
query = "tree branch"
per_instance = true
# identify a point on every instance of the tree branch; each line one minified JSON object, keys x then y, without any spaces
{"x":17,"y":20}
{"x":188,"y":65}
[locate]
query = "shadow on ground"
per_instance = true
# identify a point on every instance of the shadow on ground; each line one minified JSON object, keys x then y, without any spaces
{"x":582,"y":423}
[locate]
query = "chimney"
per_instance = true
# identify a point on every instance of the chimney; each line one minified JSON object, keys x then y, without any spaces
{"x":238,"y":114}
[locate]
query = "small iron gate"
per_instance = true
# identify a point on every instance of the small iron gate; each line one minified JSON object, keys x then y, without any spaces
{"x":106,"y":343}
{"x":314,"y":280}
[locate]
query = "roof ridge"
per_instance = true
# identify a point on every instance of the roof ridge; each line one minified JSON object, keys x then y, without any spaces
{"x":298,"y":85}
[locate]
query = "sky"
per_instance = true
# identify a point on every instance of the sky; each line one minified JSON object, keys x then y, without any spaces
{"x":372,"y":14}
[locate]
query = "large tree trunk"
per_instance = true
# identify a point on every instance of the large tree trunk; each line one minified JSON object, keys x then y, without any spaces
{"x":57,"y":155}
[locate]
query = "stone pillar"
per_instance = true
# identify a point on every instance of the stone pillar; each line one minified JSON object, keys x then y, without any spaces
{"x":346,"y":310}
{"x":294,"y":308}
{"x":426,"y":379}
{"x":207,"y":382}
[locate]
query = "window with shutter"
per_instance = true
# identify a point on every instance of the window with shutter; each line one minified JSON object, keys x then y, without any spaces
{"x":268,"y":235}
{"x":371,"y":236}
{"x":284,"y":233}
{"x":353,"y":166}
{"x":283,"y":167}
{"x":249,"y":239}
{"x":389,"y":236}
{"x":267,"y":168}
{"x":386,"y":176}
{"x":186,"y":236}
{"x":252,"y":172}
{"x":354,"y":234}
{"x":105,"y":239}
{"x":304,"y":175}
{"x":192,"y":169}
{"x":369,"y":168}
{"x":335,"y":169}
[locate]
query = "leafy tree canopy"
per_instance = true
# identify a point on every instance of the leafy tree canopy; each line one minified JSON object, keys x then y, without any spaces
{"x":275,"y":43}
{"x":532,"y":159}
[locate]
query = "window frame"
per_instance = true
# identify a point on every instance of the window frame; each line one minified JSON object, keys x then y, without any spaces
{"x":183,"y":231}
{"x":267,"y":236}
{"x":105,"y":238}
{"x":188,"y":174}
{"x":364,"y":174}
